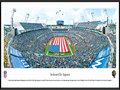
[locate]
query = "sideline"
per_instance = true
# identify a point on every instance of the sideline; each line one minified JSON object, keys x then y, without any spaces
{"x":70,"y":48}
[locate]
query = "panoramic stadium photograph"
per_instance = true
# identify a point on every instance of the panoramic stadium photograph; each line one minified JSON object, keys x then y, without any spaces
{"x":59,"y":37}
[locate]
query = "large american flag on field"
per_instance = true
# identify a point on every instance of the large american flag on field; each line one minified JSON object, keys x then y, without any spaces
{"x":62,"y":42}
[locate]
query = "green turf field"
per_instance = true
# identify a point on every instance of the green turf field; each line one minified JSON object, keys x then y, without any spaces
{"x":71,"y":47}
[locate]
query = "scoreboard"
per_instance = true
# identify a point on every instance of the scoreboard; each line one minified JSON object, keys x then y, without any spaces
{"x":60,"y":22}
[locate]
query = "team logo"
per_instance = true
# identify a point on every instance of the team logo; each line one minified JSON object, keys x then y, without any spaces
{"x":5,"y":74}
{"x":114,"y":73}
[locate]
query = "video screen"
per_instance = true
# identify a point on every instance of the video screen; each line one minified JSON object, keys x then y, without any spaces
{"x":60,"y":22}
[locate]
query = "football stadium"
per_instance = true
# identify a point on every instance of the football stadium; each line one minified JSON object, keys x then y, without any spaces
{"x":88,"y":44}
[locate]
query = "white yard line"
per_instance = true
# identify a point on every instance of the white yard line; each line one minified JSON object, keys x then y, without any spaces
{"x":47,"y":52}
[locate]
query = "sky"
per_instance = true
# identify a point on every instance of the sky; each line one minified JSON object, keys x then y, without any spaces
{"x":47,"y":13}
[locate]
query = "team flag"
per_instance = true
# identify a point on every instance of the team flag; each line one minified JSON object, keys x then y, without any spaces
{"x":5,"y":74}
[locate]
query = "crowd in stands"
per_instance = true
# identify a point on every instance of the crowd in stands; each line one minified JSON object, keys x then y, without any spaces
{"x":113,"y":39}
{"x":31,"y":26}
{"x":88,"y":44}
{"x":6,"y":40}
{"x":7,"y":37}
{"x":62,"y":30}
{"x":91,"y":25}
{"x":32,"y":44}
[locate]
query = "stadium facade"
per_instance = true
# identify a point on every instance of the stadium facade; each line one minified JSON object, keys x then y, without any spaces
{"x":22,"y":27}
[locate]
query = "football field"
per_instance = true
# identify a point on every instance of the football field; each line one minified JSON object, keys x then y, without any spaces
{"x":60,"y":47}
{"x":61,"y":42}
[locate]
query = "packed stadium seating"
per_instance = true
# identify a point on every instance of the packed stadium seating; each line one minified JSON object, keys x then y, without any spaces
{"x":91,"y":25}
{"x":7,"y":37}
{"x":113,"y":39}
{"x":60,"y":30}
{"x":6,"y":40}
{"x":32,"y":44}
{"x":31,"y":26}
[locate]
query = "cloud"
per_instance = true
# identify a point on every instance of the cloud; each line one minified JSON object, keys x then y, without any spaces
{"x":114,"y":17}
{"x":49,"y":14}
{"x":89,"y":16}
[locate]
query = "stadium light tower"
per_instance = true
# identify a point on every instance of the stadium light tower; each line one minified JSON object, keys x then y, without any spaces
{"x":37,"y":19}
{"x":82,"y":18}
{"x":14,"y":10}
{"x":92,"y":14}
{"x":105,"y":10}
{"x":73,"y":21}
{"x":46,"y":21}
{"x":27,"y":16}
{"x":12,"y":28}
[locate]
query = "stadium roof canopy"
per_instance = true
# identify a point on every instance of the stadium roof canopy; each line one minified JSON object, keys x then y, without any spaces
{"x":7,"y":25}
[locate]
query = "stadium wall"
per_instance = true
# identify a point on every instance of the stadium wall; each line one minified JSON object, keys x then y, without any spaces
{"x":102,"y":59}
{"x":19,"y":28}
{"x":16,"y":59}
